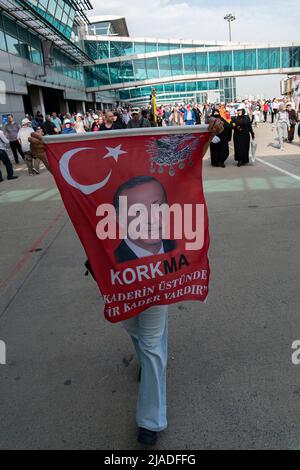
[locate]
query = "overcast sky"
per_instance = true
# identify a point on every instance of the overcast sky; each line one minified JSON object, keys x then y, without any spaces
{"x":257,"y":21}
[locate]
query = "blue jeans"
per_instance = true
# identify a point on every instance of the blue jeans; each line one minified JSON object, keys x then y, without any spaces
{"x":5,"y":159}
{"x":149,"y":333}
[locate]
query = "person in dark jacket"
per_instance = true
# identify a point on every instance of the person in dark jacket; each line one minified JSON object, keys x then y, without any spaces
{"x":49,"y":127}
{"x":118,"y":122}
{"x":39,"y":119}
{"x":137,"y":121}
{"x":293,"y":122}
{"x":197,"y":113}
{"x":242,"y":131}
{"x":109,"y":123}
{"x":219,"y":147}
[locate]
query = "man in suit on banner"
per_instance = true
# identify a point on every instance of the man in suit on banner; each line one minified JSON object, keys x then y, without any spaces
{"x":144,"y":190}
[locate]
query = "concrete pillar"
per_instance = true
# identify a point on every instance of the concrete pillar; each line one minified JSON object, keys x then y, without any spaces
{"x":37,"y":100}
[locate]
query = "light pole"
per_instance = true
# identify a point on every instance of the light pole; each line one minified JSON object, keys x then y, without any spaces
{"x":230,"y":18}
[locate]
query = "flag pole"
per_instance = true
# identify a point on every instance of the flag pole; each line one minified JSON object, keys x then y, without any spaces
{"x":138,"y":132}
{"x":154,"y":105}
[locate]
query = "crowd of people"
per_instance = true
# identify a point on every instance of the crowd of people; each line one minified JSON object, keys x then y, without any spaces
{"x":238,"y":118}
{"x":149,"y":334}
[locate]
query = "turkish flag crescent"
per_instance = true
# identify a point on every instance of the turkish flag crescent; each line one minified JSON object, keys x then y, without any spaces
{"x":135,"y":198}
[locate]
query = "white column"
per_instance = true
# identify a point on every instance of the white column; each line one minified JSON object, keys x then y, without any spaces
{"x":42,"y":104}
{"x":37,"y":100}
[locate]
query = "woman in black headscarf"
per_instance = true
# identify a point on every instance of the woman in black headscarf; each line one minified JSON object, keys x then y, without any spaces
{"x":242,"y":130}
{"x":219,"y":147}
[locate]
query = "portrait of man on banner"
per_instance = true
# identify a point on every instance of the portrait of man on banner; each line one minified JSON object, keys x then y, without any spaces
{"x":138,"y":207}
{"x":145,"y":190}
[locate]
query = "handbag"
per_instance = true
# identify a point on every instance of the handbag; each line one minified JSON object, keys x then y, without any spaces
{"x":216,"y":140}
{"x":253,"y":152}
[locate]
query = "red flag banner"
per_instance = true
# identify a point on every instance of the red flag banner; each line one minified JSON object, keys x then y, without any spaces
{"x":135,"y":198}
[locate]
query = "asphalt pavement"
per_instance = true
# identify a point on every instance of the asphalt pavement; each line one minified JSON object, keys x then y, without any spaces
{"x":70,"y":381}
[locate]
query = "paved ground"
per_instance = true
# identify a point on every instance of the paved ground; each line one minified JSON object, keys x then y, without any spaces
{"x":70,"y":379}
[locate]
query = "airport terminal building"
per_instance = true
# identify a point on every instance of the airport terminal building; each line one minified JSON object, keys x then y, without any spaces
{"x":55,"y":56}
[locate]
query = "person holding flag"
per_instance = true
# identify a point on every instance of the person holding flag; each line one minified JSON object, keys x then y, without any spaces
{"x":147,"y":327}
{"x":154,"y":105}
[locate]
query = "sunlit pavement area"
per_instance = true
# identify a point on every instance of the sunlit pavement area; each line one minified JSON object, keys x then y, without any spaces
{"x":71,"y":377}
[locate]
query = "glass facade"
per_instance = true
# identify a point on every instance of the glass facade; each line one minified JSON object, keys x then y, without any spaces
{"x":173,"y":65}
{"x":97,"y":74}
{"x":66,"y":66}
{"x":101,"y":29}
{"x":19,"y":41}
{"x":220,"y":61}
{"x":123,"y":62}
{"x":229,"y":86}
{"x":59,"y":13}
{"x":267,"y":58}
{"x":171,"y":88}
{"x":201,"y":62}
{"x":179,"y":97}
{"x":290,"y":57}
{"x":244,"y":60}
{"x":114,"y":48}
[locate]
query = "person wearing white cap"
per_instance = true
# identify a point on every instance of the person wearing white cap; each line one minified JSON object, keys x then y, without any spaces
{"x":256,"y":116}
{"x":137,"y":120}
{"x":67,"y":127}
{"x":23,"y":136}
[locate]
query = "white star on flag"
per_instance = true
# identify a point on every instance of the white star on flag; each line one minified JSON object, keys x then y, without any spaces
{"x":114,"y":152}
